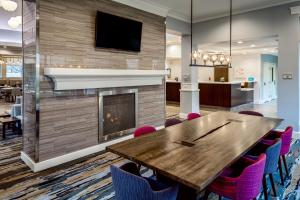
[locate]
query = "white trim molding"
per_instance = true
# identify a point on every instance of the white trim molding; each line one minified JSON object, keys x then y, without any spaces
{"x":147,"y":6}
{"x":80,"y":78}
{"x":40,"y":166}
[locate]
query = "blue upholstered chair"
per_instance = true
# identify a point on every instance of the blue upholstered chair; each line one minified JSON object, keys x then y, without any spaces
{"x":129,"y":185}
{"x":272,"y":151}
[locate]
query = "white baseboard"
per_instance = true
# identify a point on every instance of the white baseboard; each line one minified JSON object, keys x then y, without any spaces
{"x":36,"y":167}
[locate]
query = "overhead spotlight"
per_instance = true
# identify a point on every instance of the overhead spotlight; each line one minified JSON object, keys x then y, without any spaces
{"x":9,"y":5}
{"x":252,"y":45}
{"x":240,"y":42}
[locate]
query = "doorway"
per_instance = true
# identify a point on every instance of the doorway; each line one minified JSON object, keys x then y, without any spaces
{"x":269,"y":81}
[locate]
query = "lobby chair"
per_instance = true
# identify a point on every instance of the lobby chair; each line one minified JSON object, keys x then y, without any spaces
{"x":144,"y":130}
{"x":241,"y":181}
{"x":192,"y":116}
{"x":130,"y":185}
{"x":19,"y":100}
{"x":272,"y":151}
{"x":172,"y":122}
{"x":248,"y":112}
{"x":286,"y":139}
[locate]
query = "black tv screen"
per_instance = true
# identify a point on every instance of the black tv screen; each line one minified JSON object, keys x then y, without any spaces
{"x":117,"y":32}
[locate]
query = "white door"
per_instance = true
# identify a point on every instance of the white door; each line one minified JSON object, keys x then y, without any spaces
{"x":269,"y":81}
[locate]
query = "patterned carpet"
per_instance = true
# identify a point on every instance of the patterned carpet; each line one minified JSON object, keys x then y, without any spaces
{"x":88,"y":178}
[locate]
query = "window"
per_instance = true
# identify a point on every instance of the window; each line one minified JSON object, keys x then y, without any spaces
{"x":13,"y":71}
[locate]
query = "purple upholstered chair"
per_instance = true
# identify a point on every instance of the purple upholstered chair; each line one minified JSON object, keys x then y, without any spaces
{"x":192,"y":116}
{"x":272,"y":151}
{"x":144,"y":130}
{"x":242,"y":181}
{"x":130,"y":185}
{"x":286,"y":139}
{"x":248,"y":112}
{"x":171,"y":122}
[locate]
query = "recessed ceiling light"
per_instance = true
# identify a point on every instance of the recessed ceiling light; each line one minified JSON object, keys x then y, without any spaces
{"x":252,"y":45}
{"x":240,"y":42}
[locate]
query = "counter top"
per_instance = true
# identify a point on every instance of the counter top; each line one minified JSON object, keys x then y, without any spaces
{"x":212,"y":82}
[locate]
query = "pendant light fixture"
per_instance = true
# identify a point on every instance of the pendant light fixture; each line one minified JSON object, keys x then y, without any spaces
{"x":217,"y":59}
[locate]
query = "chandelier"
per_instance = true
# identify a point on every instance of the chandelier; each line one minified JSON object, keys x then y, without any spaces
{"x":11,"y":60}
{"x":8,"y":5}
{"x":210,"y":59}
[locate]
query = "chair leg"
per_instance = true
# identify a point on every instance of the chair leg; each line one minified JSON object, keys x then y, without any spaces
{"x":285,"y":165}
{"x":206,"y":194}
{"x":273,"y":185}
{"x":265,"y":187}
{"x":280,"y":171}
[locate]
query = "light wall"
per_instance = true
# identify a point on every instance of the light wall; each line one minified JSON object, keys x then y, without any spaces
{"x":244,"y":66}
{"x":275,"y":21}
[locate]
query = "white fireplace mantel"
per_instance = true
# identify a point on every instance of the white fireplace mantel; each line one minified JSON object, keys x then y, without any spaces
{"x":80,"y":78}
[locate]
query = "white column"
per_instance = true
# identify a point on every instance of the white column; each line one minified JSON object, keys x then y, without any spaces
{"x":189,"y":92}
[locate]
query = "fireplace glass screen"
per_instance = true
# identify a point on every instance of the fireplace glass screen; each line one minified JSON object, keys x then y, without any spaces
{"x":118,"y":113}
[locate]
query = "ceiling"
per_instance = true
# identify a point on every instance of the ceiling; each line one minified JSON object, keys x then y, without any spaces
{"x":209,"y":9}
{"x":8,"y":36}
{"x":268,"y":45}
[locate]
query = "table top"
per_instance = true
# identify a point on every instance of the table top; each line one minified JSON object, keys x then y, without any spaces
{"x":195,"y":152}
{"x":8,"y":119}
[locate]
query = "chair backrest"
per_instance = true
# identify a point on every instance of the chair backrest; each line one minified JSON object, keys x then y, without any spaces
{"x":172,"y":121}
{"x":248,"y":112}
{"x":19,"y":100}
{"x":144,"y":130}
{"x":250,"y":181}
{"x":128,"y":186}
{"x":272,"y":153}
{"x":286,"y":139}
{"x":16,"y":110}
{"x":192,"y":116}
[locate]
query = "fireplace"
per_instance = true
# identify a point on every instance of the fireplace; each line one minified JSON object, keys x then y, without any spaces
{"x":117,"y":113}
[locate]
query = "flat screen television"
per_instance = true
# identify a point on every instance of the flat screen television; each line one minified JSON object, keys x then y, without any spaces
{"x":118,"y":33}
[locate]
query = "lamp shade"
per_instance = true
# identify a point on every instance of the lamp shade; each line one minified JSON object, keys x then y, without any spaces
{"x":9,"y":5}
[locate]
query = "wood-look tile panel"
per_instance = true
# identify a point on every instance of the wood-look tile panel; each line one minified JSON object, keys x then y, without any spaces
{"x":69,"y":119}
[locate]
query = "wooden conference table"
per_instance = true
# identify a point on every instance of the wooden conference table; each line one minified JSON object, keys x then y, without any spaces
{"x":195,"y":152}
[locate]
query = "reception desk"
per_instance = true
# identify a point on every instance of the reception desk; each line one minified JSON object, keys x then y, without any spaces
{"x":217,"y":94}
